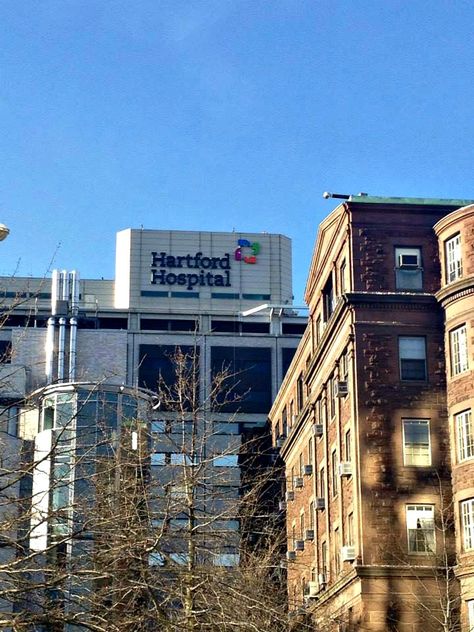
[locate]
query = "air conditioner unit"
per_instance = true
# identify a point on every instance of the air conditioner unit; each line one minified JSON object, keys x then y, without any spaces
{"x":299,"y":545}
{"x":280,"y":441}
{"x":291,"y":556}
{"x":345,"y":468}
{"x":307,"y":470}
{"x":289,"y":496}
{"x":311,"y":589}
{"x":348,"y":553}
{"x":320,"y":502}
{"x":299,"y":482}
{"x":341,"y":389}
{"x":317,"y":430}
{"x":408,"y":261}
{"x":322,"y":580}
{"x":309,"y":535}
{"x":282,"y":505}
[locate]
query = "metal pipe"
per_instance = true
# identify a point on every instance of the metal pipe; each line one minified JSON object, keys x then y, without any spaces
{"x":54,"y":291}
{"x":49,"y":350}
{"x":74,"y":276}
{"x":61,"y":348}
{"x":72,"y":348}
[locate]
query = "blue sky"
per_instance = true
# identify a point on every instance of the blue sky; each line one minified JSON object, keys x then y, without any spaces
{"x":222,"y":114}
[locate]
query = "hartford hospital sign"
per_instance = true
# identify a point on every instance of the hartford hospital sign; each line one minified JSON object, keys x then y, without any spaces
{"x":199,"y":269}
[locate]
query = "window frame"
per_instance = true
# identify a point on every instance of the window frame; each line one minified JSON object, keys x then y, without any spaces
{"x":403,"y":376}
{"x":416,"y":271}
{"x":453,"y":258}
{"x":458,"y":350}
{"x":426,"y":423}
{"x":466,"y":509}
{"x":465,"y":435}
{"x":420,"y":508}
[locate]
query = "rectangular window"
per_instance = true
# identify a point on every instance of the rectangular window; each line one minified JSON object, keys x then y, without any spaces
{"x":337,"y":551}
{"x":310,"y":452}
{"x":453,"y":258}
{"x":322,"y":483}
{"x":328,"y":299}
{"x":324,"y":558}
{"x":300,"y":392}
{"x":467,"y":519}
{"x":342,"y":277}
{"x":332,"y":385}
{"x":347,"y":446}
{"x":408,"y":270}
{"x":350,"y":529}
{"x":302,"y":526}
{"x":420,"y":528}
{"x":470,"y":614}
{"x":416,"y":442}
{"x":311,"y":514}
{"x":412,"y":352}
{"x":465,"y":435}
{"x":334,"y":473}
{"x":226,"y":460}
{"x":458,"y":346}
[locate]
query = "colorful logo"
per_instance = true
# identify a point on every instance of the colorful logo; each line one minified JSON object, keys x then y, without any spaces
{"x":249,"y":258}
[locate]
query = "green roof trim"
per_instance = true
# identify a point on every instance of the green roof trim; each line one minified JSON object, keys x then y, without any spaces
{"x":369,"y":199}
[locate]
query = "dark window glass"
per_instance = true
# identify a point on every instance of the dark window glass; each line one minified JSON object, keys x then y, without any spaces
{"x":87,"y":323}
{"x":328,"y":299}
{"x":293,"y":328}
{"x":255,"y":328}
{"x":15,"y":321}
{"x":183,"y":325}
{"x":154,"y":324}
{"x":158,"y":362}
{"x":225,"y":326}
{"x":224,"y":295}
{"x":257,"y":297}
{"x":412,"y":350}
{"x":247,"y":387}
{"x":113,"y":323}
{"x":154,"y":293}
{"x":287,"y":354}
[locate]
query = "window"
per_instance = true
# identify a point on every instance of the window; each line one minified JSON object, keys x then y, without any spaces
{"x":300,"y":465}
{"x":310,"y":452}
{"x":328,"y":299}
{"x":458,"y":346}
{"x":408,"y":270}
{"x":322,"y":483}
{"x":300,"y":392}
{"x":302,"y":526}
{"x":158,"y":458}
{"x":347,"y":446}
{"x":247,"y":385}
{"x":350,"y":529}
{"x":334,"y":473}
{"x":284,"y":423}
{"x":465,"y":435}
{"x":342,"y":277}
{"x":467,"y":519}
{"x":311,"y":514}
{"x":412,"y":350}
{"x":5,"y":352}
{"x":226,"y":460}
{"x":324,"y":558}
{"x":470,"y":614}
{"x":420,"y":528}
{"x":416,"y":442}
{"x":332,"y":385}
{"x":317,"y":329}
{"x":453,"y":258}
{"x":337,"y":551}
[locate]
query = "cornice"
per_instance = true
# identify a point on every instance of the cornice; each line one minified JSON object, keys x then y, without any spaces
{"x":454,"y":291}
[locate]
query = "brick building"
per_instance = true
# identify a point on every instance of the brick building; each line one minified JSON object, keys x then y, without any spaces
{"x":370,"y":427}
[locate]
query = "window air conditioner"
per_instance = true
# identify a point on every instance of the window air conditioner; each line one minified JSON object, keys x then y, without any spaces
{"x":299,"y":545}
{"x":322,"y":580}
{"x":299,"y":482}
{"x":307,"y":470}
{"x":309,"y":535}
{"x":280,"y":441}
{"x":282,"y":505}
{"x":291,"y":556}
{"x":348,"y":553}
{"x":318,"y":430}
{"x":289,"y":496}
{"x":341,"y":389}
{"x":311,"y":589}
{"x":320,"y":502}
{"x":345,"y":468}
{"x":408,"y":261}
